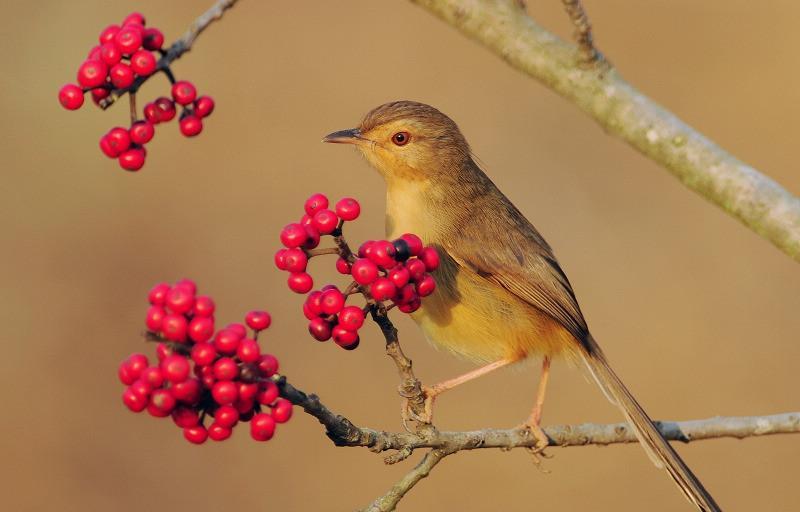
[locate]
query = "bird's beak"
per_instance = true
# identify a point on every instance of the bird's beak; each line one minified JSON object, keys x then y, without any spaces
{"x":352,"y":136}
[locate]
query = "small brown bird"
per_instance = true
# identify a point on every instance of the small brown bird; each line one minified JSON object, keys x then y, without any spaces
{"x":502,"y":296}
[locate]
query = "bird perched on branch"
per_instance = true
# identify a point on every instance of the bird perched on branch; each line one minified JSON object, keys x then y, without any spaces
{"x":502,"y":296}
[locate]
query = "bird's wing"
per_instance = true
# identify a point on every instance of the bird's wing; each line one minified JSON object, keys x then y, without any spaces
{"x":522,"y":262}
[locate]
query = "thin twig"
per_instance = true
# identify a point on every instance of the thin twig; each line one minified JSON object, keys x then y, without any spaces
{"x":583,"y":31}
{"x":739,"y":189}
{"x":389,"y":501}
{"x":174,"y":52}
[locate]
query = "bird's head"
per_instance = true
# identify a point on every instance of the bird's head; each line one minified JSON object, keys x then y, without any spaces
{"x":407,"y":140}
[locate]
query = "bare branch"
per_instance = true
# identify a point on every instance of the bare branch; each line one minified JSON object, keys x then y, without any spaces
{"x":583,"y":31}
{"x":739,"y":189}
{"x":389,"y":501}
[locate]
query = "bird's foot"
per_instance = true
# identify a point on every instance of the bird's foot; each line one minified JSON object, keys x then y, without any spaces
{"x":426,"y":415}
{"x":542,"y":442}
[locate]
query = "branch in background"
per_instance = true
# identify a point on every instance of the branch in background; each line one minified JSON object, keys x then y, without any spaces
{"x":739,"y":189}
{"x":174,"y":52}
{"x":583,"y":31}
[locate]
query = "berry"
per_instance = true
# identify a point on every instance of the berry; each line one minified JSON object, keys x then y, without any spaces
{"x":416,"y":268}
{"x":166,"y":109}
{"x":134,"y":401}
{"x":402,"y":251}
{"x":227,"y":341}
{"x":71,"y":97}
{"x":201,"y":329}
{"x":320,"y":329}
{"x":225,"y":369}
{"x":179,"y":299}
{"x":248,"y":391}
{"x":280,"y":259}
{"x":282,"y":411}
{"x":430,"y":257}
{"x":155,"y":316}
{"x":238,"y":328}
{"x":188,"y":284}
{"x":174,"y":327}
{"x":248,"y":351}
{"x":399,"y":275}
{"x":351,"y":318}
{"x":162,"y":351}
{"x":141,"y":132}
{"x":108,"y":34}
{"x":143,"y":63}
{"x":267,"y":393}
{"x":342,"y":266}
{"x":141,"y":388}
{"x":262,"y":427}
{"x":175,"y":368}
{"x":132,"y":159}
{"x":100,"y":94}
{"x":163,"y":400}
{"x":191,"y":125}
{"x":217,"y":432}
{"x":295,"y":260}
{"x":332,"y":301}
{"x":203,"y":106}
{"x":348,"y":209}
{"x":414,"y":243}
{"x":117,"y":141}
{"x":203,"y":354}
{"x":196,"y":435}
{"x":382,"y":289}
{"x":92,"y":73}
{"x":158,"y":294}
{"x":128,"y":39}
{"x":426,"y":285}
{"x":204,"y":306}
{"x":315,"y":203}
{"x":187,"y":391}
{"x":94,"y":53}
{"x":153,"y":39}
{"x":110,"y":54}
{"x":183,"y":92}
{"x":226,"y":416}
{"x":382,"y":254}
{"x":258,"y":320}
{"x":153,"y":376}
{"x":300,"y":282}
{"x":410,"y":307}
{"x":135,"y":18}
{"x":325,"y":221}
{"x":343,"y":337}
{"x":364,"y":271}
{"x":225,"y":392}
{"x":268,"y":365}
{"x":313,"y":237}
{"x":185,"y":417}
{"x":293,"y":235}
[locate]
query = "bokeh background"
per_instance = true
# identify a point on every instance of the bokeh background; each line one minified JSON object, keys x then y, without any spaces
{"x":699,"y":315}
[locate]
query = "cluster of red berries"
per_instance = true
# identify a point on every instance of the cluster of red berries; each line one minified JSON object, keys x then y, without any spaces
{"x":394,"y":271}
{"x":123,"y":56}
{"x":202,"y":372}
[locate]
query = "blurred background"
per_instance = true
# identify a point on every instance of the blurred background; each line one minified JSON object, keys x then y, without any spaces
{"x":698,"y":314}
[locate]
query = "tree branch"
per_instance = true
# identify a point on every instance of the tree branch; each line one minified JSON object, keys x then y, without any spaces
{"x":583,"y":31}
{"x":739,"y":189}
{"x":389,"y":501}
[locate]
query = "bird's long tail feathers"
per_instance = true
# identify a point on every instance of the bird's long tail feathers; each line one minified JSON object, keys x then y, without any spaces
{"x":659,"y":450}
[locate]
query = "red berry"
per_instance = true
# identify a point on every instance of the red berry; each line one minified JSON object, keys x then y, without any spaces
{"x":137,"y":364}
{"x":134,"y":401}
{"x":227,"y":341}
{"x":343,"y":337}
{"x":110,"y":54}
{"x":351,"y":346}
{"x":267,"y":393}
{"x":203,"y":106}
{"x":175,"y":368}
{"x":141,"y":132}
{"x":320,"y":329}
{"x":217,"y":432}
{"x":71,"y":97}
{"x":108,"y":34}
{"x":128,"y":39}
{"x":282,"y":410}
{"x":141,"y":387}
{"x":400,"y":276}
{"x":175,"y":327}
{"x":183,"y":92}
{"x":364,"y":271}
{"x":300,"y":282}
{"x":204,"y":306}
{"x":203,"y":354}
{"x":153,"y":39}
{"x":158,"y":294}
{"x":118,"y":140}
{"x":280,"y":259}
{"x":315,"y":203}
{"x":135,"y":18}
{"x":410,"y":307}
{"x":143,"y":63}
{"x":100,"y":94}
{"x":365,"y":249}
{"x":325,"y":221}
{"x":155,"y":412}
{"x":153,"y":376}
{"x":293,"y":235}
{"x":430,"y":257}
{"x":268,"y":365}
{"x":187,"y":391}
{"x":166,"y":109}
{"x":414,"y":243}
{"x":248,"y":351}
{"x":332,"y":301}
{"x":258,"y":320}
{"x":225,"y":369}
{"x":225,"y":392}
{"x":226,"y":416}
{"x":201,"y":329}
{"x":125,"y":374}
{"x":132,"y":159}
{"x":342,"y":266}
{"x":348,"y":209}
{"x":94,"y":53}
{"x":382,"y":289}
{"x":196,"y":435}
{"x":416,"y":268}
{"x":155,"y":315}
{"x":262,"y":427}
{"x":92,"y":73}
{"x":313,"y":237}
{"x":426,"y":285}
{"x":185,"y":417}
{"x":406,"y":294}
{"x":295,"y":260}
{"x":188,"y":284}
{"x":351,"y":318}
{"x":163,"y":350}
{"x":191,"y":126}
{"x":314,"y":303}
{"x":163,"y":400}
{"x":179,"y":299}
{"x":382,"y":253}
{"x":238,"y":328}
{"x":151,"y":113}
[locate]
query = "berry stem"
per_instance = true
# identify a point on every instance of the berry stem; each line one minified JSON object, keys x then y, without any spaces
{"x":132,"y":99}
{"x":321,"y":251}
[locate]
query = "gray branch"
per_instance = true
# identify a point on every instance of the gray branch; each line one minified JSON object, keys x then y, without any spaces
{"x":739,"y":189}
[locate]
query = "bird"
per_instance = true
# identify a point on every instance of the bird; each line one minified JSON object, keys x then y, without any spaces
{"x":501,"y":296}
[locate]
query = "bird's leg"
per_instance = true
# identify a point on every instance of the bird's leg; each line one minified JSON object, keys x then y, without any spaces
{"x":535,"y":419}
{"x":433,"y":391}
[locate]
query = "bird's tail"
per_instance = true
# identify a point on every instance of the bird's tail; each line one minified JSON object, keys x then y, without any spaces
{"x":659,"y":450}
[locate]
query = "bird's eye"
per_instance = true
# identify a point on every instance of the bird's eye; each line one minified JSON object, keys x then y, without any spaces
{"x":401,"y":138}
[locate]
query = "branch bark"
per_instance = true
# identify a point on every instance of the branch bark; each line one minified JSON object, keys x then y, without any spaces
{"x":742,"y":191}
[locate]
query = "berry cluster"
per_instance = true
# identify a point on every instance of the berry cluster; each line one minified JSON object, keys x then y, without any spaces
{"x":383,"y":271}
{"x":119,"y":64}
{"x":202,"y":372}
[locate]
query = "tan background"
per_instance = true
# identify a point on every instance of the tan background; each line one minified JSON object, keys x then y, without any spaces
{"x":699,"y":315}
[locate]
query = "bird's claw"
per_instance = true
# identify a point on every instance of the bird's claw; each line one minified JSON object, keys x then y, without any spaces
{"x":426,"y":415}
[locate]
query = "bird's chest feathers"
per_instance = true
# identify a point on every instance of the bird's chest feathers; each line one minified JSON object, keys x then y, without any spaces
{"x":408,"y":209}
